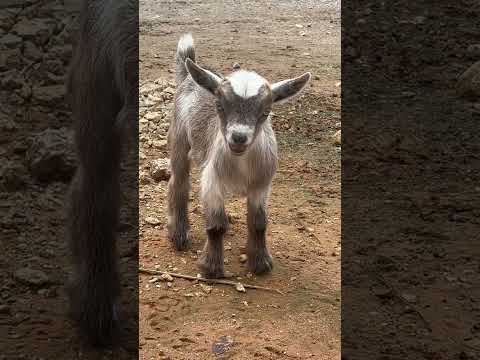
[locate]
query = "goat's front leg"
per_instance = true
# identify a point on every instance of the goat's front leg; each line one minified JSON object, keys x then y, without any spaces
{"x":211,"y":262}
{"x":259,"y":259}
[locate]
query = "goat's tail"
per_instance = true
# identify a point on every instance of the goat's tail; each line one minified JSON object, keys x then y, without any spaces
{"x":185,"y":49}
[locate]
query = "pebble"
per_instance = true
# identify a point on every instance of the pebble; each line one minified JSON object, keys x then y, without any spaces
{"x":160,"y":169}
{"x":469,"y":81}
{"x":243,"y":258}
{"x":382,"y":291}
{"x":240,"y":288}
{"x":152,"y":220}
{"x":337,"y":138}
{"x":31,"y":277}
{"x":222,"y":345}
{"x":166,"y":277}
{"x":206,"y":289}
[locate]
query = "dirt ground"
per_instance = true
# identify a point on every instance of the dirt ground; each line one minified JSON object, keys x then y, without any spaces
{"x":183,"y":319}
{"x":410,"y":195}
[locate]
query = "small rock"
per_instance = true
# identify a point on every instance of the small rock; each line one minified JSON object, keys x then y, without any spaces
{"x":222,"y":345}
{"x":299,"y":26}
{"x":469,"y":81}
{"x":381,"y":291}
{"x":152,"y":220}
{"x":153,"y":280}
{"x":188,"y":295}
{"x":236,"y":66}
{"x":243,"y":258}
{"x":153,"y":115}
{"x":206,"y":289}
{"x":31,"y":277}
{"x":239,"y":287}
{"x":160,"y":169}
{"x":337,"y":138}
{"x":51,"y":156}
{"x":166,"y":277}
{"x":38,"y":30}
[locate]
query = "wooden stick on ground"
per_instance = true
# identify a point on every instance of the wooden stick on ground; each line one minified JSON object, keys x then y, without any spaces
{"x":212,"y":281}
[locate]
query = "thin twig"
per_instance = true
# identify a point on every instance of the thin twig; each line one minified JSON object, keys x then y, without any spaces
{"x":212,"y":281}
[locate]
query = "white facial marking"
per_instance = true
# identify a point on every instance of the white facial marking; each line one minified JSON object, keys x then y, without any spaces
{"x":246,"y":83}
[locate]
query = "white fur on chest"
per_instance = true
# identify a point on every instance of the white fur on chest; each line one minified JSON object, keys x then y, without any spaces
{"x":236,"y":182}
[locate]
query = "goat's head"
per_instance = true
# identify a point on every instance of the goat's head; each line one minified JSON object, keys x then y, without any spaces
{"x":244,"y":101}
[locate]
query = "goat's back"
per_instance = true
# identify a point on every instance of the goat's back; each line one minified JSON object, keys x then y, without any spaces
{"x":195,"y":119}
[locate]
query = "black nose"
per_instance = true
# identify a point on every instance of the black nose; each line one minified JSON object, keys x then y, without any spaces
{"x":239,"y":138}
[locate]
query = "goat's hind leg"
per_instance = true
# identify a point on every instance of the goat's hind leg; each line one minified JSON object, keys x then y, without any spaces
{"x":178,"y":193}
{"x":211,"y":262}
{"x":259,"y":259}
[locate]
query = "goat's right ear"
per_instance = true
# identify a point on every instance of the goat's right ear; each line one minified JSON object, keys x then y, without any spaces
{"x":203,"y":77}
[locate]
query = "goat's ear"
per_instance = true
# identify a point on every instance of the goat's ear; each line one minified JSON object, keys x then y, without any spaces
{"x":203,"y":77}
{"x":287,"y":90}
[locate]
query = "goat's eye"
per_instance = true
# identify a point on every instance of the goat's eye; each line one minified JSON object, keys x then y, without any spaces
{"x":265,"y":115}
{"x":219,"y":107}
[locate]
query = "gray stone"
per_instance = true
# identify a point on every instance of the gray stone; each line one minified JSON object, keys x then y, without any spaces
{"x":337,"y":138}
{"x":31,"y":277}
{"x":51,"y":156}
{"x":469,"y":81}
{"x":37,"y":30}
{"x":222,"y":345}
{"x":160,"y":169}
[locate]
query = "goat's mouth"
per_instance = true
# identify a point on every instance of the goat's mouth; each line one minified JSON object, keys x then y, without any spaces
{"x":237,"y":150}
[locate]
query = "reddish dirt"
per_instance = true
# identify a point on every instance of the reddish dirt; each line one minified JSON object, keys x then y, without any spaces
{"x":181,"y":320}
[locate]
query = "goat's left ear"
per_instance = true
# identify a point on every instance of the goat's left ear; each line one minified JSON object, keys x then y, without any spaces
{"x":203,"y":77}
{"x":287,"y":90}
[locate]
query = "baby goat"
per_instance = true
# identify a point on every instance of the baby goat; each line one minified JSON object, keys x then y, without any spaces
{"x":223,"y":125}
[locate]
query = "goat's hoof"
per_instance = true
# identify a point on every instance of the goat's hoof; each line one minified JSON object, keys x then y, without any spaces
{"x":210,"y":269}
{"x":260,"y":262}
{"x":181,"y":240}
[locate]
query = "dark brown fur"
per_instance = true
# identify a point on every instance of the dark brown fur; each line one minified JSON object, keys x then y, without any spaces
{"x":103,"y":90}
